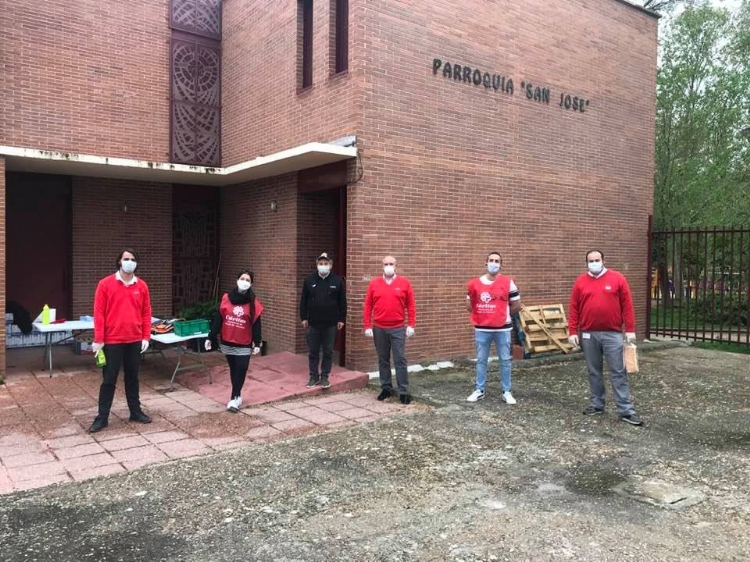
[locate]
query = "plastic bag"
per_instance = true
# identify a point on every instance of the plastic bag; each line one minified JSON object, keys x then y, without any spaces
{"x":100,"y":358}
{"x":630,"y":358}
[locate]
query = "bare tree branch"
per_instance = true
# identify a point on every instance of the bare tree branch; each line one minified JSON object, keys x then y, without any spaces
{"x":660,"y":5}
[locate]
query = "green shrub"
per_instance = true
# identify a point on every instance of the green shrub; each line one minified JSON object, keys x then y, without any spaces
{"x":201,"y":310}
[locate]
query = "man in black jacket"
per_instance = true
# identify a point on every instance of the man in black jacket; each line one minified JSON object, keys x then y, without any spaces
{"x":322,"y":310}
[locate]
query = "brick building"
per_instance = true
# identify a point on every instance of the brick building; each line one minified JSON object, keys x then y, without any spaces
{"x":214,"y":135}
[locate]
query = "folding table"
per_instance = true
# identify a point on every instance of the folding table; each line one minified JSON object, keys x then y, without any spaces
{"x":75,"y":326}
{"x":182,"y":351}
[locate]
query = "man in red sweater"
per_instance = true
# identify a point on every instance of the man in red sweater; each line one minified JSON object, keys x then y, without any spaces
{"x":388,"y":297}
{"x":122,"y":328}
{"x":599,"y":306}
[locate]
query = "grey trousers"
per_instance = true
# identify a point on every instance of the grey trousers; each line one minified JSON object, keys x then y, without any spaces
{"x":387,"y":341}
{"x":610,"y":345}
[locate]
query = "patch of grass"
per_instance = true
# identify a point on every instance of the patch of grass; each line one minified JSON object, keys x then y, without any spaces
{"x":687,"y":321}
{"x":718,"y":346}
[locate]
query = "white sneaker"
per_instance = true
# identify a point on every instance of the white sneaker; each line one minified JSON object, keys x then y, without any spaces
{"x":508,"y":397}
{"x":232,"y":405}
{"x":239,"y":402}
{"x":476,"y":396}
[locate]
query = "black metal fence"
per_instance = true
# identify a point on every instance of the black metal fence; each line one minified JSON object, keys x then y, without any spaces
{"x":699,"y":286}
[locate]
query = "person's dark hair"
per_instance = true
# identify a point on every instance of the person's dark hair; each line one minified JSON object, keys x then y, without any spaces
{"x":247,"y":272}
{"x":591,"y":252}
{"x":494,"y":254}
{"x":118,"y":261}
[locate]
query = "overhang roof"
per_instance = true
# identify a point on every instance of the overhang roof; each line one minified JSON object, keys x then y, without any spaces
{"x":65,"y":163}
{"x":640,"y":8}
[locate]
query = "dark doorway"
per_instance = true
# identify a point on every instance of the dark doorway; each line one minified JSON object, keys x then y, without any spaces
{"x":321,"y":227}
{"x":38,"y":242}
{"x":195,"y":245}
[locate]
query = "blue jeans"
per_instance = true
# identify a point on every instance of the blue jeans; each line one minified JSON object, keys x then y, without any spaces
{"x":483,"y":342}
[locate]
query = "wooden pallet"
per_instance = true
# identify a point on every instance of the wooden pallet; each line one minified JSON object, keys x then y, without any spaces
{"x":546,"y":329}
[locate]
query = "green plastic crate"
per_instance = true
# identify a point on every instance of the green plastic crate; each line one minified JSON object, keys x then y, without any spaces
{"x":190,"y":327}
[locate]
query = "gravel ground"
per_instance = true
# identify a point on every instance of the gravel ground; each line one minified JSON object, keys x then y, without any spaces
{"x":454,"y":481}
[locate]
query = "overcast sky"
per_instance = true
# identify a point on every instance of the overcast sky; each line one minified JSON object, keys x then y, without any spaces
{"x":731,"y":4}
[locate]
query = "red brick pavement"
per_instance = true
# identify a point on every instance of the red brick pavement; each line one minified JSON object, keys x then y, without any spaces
{"x":43,"y":419}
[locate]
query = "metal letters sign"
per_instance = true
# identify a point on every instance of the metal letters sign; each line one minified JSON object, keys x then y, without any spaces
{"x":504,"y":84}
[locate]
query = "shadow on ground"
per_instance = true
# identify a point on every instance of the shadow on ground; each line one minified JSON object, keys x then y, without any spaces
{"x":461,"y":481}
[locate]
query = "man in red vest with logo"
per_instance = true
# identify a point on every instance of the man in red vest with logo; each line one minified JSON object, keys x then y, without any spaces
{"x":599,"y":306}
{"x":389,"y":300}
{"x":492,"y":299}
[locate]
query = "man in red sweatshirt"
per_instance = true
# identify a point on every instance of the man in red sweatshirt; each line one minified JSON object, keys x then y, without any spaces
{"x":599,"y":306}
{"x":122,"y":328}
{"x":388,"y":297}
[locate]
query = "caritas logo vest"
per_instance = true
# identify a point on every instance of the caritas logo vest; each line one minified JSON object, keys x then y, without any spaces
{"x":235,"y":321}
{"x":490,"y":302}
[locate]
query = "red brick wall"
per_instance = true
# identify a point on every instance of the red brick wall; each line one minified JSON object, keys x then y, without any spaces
{"x":86,"y":77}
{"x":263,"y":110}
{"x":453,"y":170}
{"x":101,"y":230}
{"x":255,"y":237}
{"x":2,"y":269}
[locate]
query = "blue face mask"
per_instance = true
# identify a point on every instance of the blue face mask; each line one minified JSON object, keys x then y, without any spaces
{"x":493,"y":268}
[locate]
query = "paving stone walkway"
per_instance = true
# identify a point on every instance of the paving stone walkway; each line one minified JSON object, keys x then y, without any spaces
{"x":43,"y":422}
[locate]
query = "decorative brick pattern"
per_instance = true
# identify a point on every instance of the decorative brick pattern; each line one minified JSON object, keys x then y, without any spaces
{"x":202,"y":17}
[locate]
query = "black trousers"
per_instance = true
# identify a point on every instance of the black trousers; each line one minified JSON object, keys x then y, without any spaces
{"x":317,"y":339}
{"x":238,"y":365}
{"x":127,"y":355}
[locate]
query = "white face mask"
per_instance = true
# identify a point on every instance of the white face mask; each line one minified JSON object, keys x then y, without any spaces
{"x":128,"y":266}
{"x":324,"y":269}
{"x":595,"y":267}
{"x":389,"y":270}
{"x":493,"y":268}
{"x":243,"y":285}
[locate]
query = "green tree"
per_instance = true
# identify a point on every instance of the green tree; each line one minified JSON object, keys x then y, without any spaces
{"x":702,"y":144}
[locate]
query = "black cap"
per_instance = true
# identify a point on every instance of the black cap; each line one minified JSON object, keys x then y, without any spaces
{"x":324,"y":256}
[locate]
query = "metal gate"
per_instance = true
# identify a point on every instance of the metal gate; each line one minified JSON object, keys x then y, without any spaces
{"x":699,"y":284}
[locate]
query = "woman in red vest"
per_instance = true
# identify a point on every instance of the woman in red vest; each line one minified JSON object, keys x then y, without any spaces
{"x":238,"y":325}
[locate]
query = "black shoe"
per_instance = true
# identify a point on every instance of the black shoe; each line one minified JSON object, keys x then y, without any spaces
{"x":591,"y":411}
{"x":405,"y":399}
{"x":385,"y":393}
{"x":98,"y":425}
{"x":324,"y":382}
{"x":314,"y":381}
{"x":140,"y":417}
{"x":632,"y":419}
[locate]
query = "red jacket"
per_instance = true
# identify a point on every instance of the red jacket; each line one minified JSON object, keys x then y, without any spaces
{"x":122,"y":313}
{"x":601,"y":304}
{"x":388,"y":302}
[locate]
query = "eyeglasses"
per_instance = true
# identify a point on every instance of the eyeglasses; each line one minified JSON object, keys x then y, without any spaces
{"x":127,"y":259}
